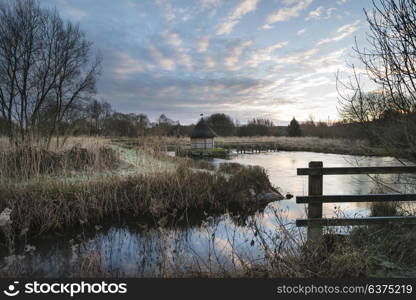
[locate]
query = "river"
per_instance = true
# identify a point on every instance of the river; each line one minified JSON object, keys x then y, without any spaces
{"x":224,"y":242}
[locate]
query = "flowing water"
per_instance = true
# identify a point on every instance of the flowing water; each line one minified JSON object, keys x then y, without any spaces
{"x":219,"y":242}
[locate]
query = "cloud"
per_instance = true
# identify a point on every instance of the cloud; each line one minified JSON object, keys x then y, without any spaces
{"x":234,"y":18}
{"x":231,"y":61}
{"x":210,"y":63}
{"x":169,"y":13}
{"x":301,"y":31}
{"x":72,"y":11}
{"x":163,"y":61}
{"x":341,"y":33}
{"x":185,"y":59}
{"x":287,"y":13}
{"x":320,"y":13}
{"x":341,"y":2}
{"x":172,"y":39}
{"x":159,"y":64}
{"x":210,"y":3}
{"x":301,"y":77}
{"x":184,"y":91}
{"x":182,"y":55}
{"x":210,"y":7}
{"x":265,"y":54}
{"x":297,"y":56}
{"x":203,"y":44}
{"x":329,"y":63}
{"x":315,"y":14}
{"x":128,"y":65}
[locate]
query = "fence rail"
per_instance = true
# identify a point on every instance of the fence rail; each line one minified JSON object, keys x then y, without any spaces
{"x":356,"y":170}
{"x":356,"y":198}
{"x":315,"y":199}
{"x":355,"y":221}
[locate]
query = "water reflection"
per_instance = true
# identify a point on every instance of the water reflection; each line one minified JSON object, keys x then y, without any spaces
{"x":282,"y":171}
{"x":225,"y":242}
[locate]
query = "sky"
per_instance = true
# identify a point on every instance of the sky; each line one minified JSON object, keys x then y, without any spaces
{"x":274,"y":59}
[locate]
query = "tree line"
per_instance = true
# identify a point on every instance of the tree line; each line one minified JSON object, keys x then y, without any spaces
{"x":99,"y":118}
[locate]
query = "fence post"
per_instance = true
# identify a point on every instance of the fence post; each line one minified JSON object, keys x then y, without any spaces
{"x":315,"y":186}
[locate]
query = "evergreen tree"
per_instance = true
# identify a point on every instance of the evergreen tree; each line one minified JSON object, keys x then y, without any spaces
{"x":294,"y":129}
{"x":222,"y":124}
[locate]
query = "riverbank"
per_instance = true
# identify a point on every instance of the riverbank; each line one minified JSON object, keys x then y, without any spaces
{"x":135,"y":220}
{"x":309,"y":144}
{"x":47,"y":190}
{"x":268,"y":143}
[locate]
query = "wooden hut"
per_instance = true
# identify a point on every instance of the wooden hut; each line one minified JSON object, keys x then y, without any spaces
{"x":202,"y":136}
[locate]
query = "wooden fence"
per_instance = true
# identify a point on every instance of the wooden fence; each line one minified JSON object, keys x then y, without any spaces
{"x":315,"y":199}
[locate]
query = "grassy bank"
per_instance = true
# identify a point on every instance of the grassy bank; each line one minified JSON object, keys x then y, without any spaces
{"x":264,"y":143}
{"x":312,"y":144}
{"x":57,"y":205}
{"x":50,"y":190}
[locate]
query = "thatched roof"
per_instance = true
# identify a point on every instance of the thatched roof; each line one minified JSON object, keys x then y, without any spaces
{"x":202,"y":130}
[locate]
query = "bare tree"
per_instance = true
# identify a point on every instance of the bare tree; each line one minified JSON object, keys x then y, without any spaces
{"x":390,"y":63}
{"x":95,"y":112}
{"x":45,"y":62}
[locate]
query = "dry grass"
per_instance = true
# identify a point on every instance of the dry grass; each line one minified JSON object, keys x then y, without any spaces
{"x":293,"y":141}
{"x":32,"y":162}
{"x":315,"y":144}
{"x":79,"y":141}
{"x":80,"y":158}
{"x":88,"y":265}
{"x":52,"y":204}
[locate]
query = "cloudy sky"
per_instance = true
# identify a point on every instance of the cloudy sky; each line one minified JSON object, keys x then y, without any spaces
{"x":247,"y":58}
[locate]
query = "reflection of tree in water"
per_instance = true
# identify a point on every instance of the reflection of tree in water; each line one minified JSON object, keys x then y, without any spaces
{"x":242,"y":219}
{"x":381,"y":183}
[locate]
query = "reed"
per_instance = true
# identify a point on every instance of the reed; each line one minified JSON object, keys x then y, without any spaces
{"x":314,"y":144}
{"x":34,"y":161}
{"x":52,"y":205}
